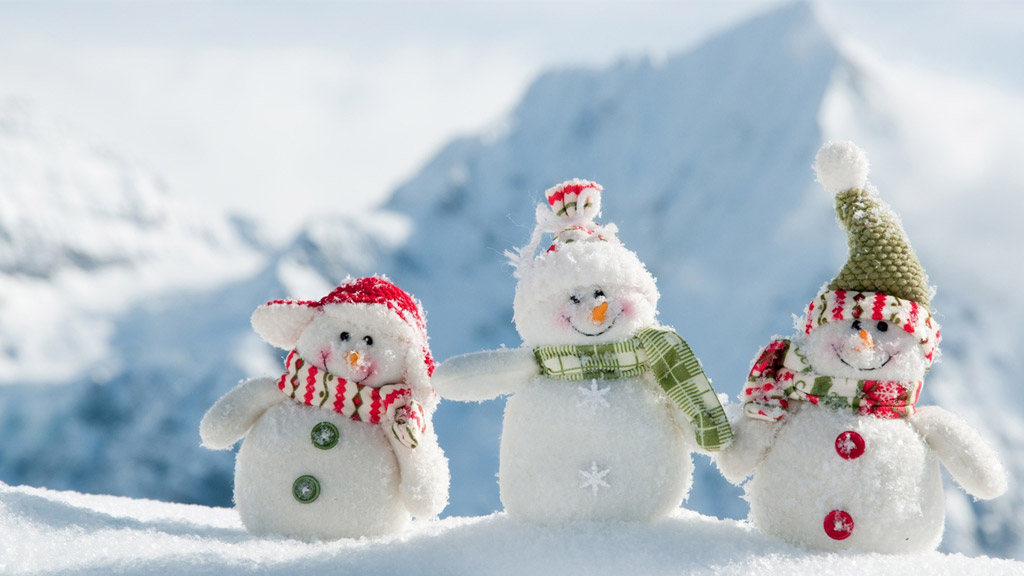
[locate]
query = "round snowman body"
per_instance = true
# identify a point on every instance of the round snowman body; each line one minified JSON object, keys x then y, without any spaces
{"x":592,"y":450}
{"x":836,"y":481}
{"x":310,"y":473}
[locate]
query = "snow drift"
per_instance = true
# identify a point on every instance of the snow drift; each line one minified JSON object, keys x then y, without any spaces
{"x":47,"y":532}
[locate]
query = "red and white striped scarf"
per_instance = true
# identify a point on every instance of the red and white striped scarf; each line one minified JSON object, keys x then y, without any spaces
{"x":781,"y":374}
{"x":391,"y":403}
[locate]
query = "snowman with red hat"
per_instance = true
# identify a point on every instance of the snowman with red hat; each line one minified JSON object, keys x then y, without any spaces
{"x":841,"y":456}
{"x":606,"y":405}
{"x":341,"y":444}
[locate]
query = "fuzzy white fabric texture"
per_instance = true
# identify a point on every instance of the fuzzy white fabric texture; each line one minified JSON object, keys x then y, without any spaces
{"x":840,"y":166}
{"x":832,"y":479}
{"x":310,"y":473}
{"x":600,"y":449}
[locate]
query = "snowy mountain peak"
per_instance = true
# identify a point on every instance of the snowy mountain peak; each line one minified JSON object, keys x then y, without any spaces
{"x":568,"y":115}
{"x":85,"y":232}
{"x":685,"y":150}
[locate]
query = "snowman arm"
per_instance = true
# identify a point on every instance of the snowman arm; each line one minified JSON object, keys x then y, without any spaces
{"x":479,"y":376}
{"x":751,"y":440}
{"x":231,"y":417}
{"x":970,"y":460}
{"x":425,"y":476}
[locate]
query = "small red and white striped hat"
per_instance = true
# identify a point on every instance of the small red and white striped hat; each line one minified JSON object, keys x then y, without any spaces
{"x":582,"y":253}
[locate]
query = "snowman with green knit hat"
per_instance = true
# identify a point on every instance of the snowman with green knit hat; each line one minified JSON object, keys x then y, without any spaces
{"x":605,"y":404}
{"x":841,"y":457}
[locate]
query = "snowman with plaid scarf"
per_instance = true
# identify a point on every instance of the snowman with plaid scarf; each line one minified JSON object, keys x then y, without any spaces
{"x":341,"y":444}
{"x":841,"y":457}
{"x":605,"y":405}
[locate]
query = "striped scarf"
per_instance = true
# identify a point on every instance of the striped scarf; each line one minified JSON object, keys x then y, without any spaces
{"x":660,"y":351}
{"x":781,"y":374}
{"x":306,"y":384}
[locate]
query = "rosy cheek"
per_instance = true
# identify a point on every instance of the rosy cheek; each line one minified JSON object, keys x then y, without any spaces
{"x":627,"y":308}
{"x":839,"y":345}
{"x":563,"y":320}
{"x":323,"y":358}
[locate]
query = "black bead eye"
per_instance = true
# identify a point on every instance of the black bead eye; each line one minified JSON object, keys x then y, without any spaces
{"x":574,"y":299}
{"x":368,"y":340}
{"x":344,"y":336}
{"x":883,"y":326}
{"x":855,"y":325}
{"x":598,"y":293}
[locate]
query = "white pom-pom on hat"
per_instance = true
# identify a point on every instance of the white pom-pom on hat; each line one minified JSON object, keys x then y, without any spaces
{"x":841,"y":166}
{"x":572,"y":203}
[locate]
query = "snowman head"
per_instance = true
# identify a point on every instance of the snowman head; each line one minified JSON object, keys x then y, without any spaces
{"x":351,"y":344}
{"x":367,"y":331}
{"x":865,"y":350}
{"x":872,"y":321}
{"x":586,"y":288}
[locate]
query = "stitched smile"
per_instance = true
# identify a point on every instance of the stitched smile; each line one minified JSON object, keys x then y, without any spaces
{"x":596,"y":333}
{"x":363,"y":379}
{"x":838,"y":355}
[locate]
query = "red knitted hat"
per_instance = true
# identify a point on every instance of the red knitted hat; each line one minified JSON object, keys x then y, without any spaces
{"x":282,"y":331}
{"x":374,"y":290}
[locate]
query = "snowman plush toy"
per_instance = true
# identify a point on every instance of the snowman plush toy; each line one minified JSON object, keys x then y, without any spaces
{"x":606,"y":405}
{"x":841,"y":456}
{"x":341,"y":444}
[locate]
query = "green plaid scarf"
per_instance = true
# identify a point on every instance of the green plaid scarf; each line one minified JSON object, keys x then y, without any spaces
{"x":660,"y":351}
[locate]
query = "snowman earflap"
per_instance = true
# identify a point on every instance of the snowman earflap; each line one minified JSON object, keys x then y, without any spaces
{"x":281,"y":322}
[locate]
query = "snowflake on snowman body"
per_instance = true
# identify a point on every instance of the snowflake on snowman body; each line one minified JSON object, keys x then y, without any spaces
{"x":831,"y":414}
{"x":598,"y":385}
{"x":341,"y":444}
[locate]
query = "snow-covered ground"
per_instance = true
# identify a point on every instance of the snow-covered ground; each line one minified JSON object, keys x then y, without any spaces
{"x":49,"y":532}
{"x":705,"y":155}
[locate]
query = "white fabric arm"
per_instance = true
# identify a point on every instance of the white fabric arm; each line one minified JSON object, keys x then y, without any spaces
{"x":484,"y":375}
{"x":970,"y":460}
{"x":234,"y":414}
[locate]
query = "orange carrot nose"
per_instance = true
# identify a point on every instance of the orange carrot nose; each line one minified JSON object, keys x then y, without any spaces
{"x":597,"y":314}
{"x":866,"y":340}
{"x":352,"y":358}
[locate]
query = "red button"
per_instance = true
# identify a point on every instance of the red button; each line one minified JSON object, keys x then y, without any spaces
{"x":850,"y":445}
{"x":838,"y":525}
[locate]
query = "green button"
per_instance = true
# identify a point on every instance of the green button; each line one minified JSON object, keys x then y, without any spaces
{"x":325,"y":435}
{"x":306,"y":489}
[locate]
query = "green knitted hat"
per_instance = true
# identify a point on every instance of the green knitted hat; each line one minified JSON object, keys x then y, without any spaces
{"x":881,"y":259}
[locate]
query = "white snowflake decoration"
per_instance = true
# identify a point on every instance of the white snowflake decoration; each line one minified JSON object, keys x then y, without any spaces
{"x":594,"y":478}
{"x":593,"y":397}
